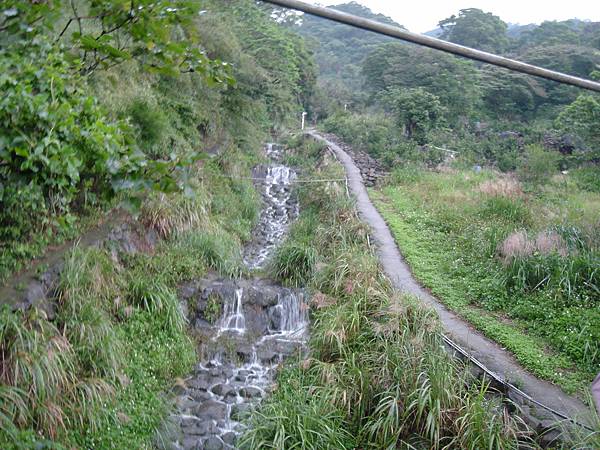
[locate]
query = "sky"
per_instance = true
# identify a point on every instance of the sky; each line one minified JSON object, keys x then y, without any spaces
{"x":423,"y":15}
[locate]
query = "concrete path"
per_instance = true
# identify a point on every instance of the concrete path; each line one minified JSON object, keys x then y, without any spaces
{"x":494,"y":357}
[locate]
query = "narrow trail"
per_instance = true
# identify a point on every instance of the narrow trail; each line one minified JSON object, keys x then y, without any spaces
{"x":494,"y":357}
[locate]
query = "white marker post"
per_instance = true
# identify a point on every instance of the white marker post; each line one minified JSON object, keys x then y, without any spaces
{"x":303,"y":118}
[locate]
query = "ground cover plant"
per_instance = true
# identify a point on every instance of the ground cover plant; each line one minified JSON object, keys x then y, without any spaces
{"x":519,"y":259}
{"x":377,"y":375}
{"x":97,"y":374}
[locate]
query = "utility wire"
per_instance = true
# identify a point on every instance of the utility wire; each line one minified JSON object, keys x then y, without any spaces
{"x":437,"y":44}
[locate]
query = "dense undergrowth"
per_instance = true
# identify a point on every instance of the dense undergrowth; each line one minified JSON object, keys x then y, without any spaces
{"x":87,"y":129}
{"x":178,"y":145}
{"x":377,"y":375}
{"x":97,"y":374}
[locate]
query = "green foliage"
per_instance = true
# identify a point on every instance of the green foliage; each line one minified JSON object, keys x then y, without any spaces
{"x":339,"y":49}
{"x":149,"y":122}
{"x":512,"y":210}
{"x":396,"y":66}
{"x":294,"y":263}
{"x":417,"y":110}
{"x":582,"y":118}
{"x":483,"y":249}
{"x":538,"y":165}
{"x":55,"y":139}
{"x":297,"y":417}
{"x":218,"y":251}
{"x":476,"y":28}
{"x":587,"y":178}
{"x":104,"y":33}
{"x":377,"y":375}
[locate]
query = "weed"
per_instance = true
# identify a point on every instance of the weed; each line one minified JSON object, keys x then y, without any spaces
{"x":294,"y":263}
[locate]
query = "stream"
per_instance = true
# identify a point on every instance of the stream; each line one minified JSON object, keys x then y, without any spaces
{"x":246,"y":327}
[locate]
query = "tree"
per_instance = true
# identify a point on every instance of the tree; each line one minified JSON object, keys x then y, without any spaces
{"x":417,"y":110}
{"x":550,"y":33}
{"x":510,"y":95}
{"x":399,"y":66}
{"x":103,"y":33}
{"x":477,"y":29}
{"x":582,"y":117}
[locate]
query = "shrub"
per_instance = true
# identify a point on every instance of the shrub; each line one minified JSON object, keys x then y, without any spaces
{"x":537,"y":165}
{"x":149,"y":122}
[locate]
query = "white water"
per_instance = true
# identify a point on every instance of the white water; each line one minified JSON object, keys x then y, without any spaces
{"x":279,"y":211}
{"x":288,"y":327}
{"x":233,"y":315}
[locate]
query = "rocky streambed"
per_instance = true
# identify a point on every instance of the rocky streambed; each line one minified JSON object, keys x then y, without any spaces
{"x":246,"y":328}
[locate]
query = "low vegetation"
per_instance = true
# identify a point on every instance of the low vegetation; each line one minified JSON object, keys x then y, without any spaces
{"x":519,"y":261}
{"x":377,"y":375}
{"x":97,"y":372}
{"x":166,"y":122}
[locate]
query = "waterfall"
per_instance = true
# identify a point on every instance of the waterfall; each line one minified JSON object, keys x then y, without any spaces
{"x":233,"y":315}
{"x":244,"y":351}
{"x":294,"y":315}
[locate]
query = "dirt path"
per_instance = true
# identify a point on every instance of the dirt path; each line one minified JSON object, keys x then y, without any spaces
{"x":494,"y":357}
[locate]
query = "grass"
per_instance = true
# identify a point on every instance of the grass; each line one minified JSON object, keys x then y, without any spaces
{"x":97,"y":374}
{"x":540,"y":300}
{"x":377,"y":375}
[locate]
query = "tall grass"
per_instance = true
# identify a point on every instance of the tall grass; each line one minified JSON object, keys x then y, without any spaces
{"x":376,"y":359}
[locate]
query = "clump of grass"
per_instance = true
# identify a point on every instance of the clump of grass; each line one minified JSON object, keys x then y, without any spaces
{"x":512,"y":210}
{"x":549,"y":259}
{"x":170,"y":214}
{"x":149,"y":121}
{"x":294,"y":263}
{"x":218,"y":250}
{"x":158,"y":299}
{"x":297,"y":416}
{"x":502,"y":187}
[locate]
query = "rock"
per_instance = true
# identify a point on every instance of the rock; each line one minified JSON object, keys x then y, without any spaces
{"x":250,"y":392}
{"x":229,"y":438}
{"x":199,"y":428}
{"x":267,"y":356}
{"x":192,"y":443}
{"x":231,"y":398}
{"x":201,"y":324}
{"x":222,"y":389}
{"x":199,"y":382}
{"x":275,"y":318}
{"x":239,"y":411}
{"x":185,"y":402}
{"x":213,"y":443}
{"x":199,"y":395}
{"x":211,"y":409}
{"x":245,"y":353}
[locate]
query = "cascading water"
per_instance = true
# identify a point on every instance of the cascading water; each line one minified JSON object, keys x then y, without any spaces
{"x":260,"y":325}
{"x":233,"y":315}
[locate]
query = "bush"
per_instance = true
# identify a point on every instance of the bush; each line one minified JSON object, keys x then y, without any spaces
{"x":149,"y":121}
{"x":68,"y":140}
{"x":537,"y":165}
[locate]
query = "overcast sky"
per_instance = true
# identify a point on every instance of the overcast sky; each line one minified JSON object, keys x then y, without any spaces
{"x":423,"y":15}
